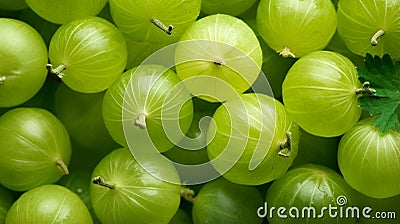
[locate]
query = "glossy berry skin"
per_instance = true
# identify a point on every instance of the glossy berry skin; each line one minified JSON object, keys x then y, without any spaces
{"x":295,"y":28}
{"x":312,"y":187}
{"x":221,"y":201}
{"x":359,"y":21}
{"x":151,"y":92}
{"x":23,"y":59}
{"x":137,"y":195}
{"x":135,"y":18}
{"x":248,"y":139}
{"x":369,"y":160}
{"x":49,"y":204}
{"x":218,"y":57}
{"x":92,"y":53}
{"x":319,"y":92}
{"x":61,"y":12}
{"x":35,"y":148}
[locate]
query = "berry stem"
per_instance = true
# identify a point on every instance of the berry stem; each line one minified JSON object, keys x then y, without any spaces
{"x":61,"y":165}
{"x":286,"y":147}
{"x":56,"y":71}
{"x":187,"y":194}
{"x":286,"y":52}
{"x":140,"y":122}
{"x":376,"y":36}
{"x":218,"y":60}
{"x":168,"y":30}
{"x":365,"y":89}
{"x":101,"y":182}
{"x":2,"y":79}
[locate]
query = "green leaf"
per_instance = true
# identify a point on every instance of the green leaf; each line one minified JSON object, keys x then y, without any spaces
{"x":383,"y":76}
